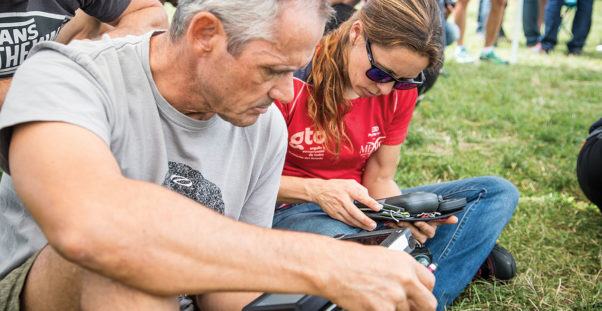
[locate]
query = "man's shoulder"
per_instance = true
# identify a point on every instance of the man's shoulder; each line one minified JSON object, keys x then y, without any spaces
{"x":96,"y":47}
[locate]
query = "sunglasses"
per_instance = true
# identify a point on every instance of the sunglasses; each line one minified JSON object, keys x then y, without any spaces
{"x":380,"y":75}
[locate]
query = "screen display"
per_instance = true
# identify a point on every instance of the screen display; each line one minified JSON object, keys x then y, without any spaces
{"x":370,"y":240}
{"x":279,"y":299}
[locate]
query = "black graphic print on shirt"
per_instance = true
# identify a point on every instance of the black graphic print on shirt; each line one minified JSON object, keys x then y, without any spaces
{"x":20,"y":31}
{"x":187,"y":181}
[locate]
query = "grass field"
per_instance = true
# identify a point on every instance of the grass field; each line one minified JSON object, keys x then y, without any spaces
{"x":523,"y":122}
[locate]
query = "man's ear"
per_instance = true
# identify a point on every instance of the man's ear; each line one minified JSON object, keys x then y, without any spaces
{"x":205,"y":32}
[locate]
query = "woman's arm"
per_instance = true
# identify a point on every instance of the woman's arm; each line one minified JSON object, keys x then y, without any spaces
{"x":380,"y":172}
{"x":334,"y":196}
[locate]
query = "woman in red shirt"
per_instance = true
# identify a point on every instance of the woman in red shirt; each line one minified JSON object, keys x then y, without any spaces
{"x":350,"y":114}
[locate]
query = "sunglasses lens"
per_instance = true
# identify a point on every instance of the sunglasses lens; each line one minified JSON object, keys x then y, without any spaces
{"x":404,"y":85}
{"x":378,"y":75}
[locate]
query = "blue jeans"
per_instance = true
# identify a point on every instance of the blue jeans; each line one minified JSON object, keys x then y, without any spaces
{"x":580,"y":29}
{"x":484,"y":7}
{"x":452,"y":32}
{"x":530,"y":17}
{"x":458,"y":249}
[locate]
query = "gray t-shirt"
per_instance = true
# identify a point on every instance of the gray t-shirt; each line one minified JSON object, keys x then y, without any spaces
{"x":106,"y":87}
{"x":24,"y":23}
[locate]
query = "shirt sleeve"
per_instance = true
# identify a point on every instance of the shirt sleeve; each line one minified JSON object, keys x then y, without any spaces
{"x":104,"y":10}
{"x":403,"y":109}
{"x":51,"y":87}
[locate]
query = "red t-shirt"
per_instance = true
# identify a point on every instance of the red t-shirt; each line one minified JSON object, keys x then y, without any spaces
{"x":371,"y":122}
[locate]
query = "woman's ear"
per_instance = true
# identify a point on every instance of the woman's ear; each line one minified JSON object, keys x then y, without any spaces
{"x":355,"y":32}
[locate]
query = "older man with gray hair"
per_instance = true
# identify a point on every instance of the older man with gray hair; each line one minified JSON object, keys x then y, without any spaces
{"x":122,"y":157}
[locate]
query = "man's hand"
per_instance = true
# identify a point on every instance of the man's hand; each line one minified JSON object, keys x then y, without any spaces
{"x":382,"y":279}
{"x":336,"y":196}
{"x":422,"y":230}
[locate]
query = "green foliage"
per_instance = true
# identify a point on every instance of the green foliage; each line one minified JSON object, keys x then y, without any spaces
{"x":524,"y":122}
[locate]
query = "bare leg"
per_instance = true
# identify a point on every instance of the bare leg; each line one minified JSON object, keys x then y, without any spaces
{"x":54,"y":283}
{"x":494,"y":21}
{"x":460,"y":19}
{"x":225,"y":301}
{"x":542,"y":9}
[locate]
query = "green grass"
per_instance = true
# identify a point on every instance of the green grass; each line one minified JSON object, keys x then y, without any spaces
{"x":523,"y":122}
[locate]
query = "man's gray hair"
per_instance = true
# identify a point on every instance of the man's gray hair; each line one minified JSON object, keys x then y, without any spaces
{"x":243,"y":20}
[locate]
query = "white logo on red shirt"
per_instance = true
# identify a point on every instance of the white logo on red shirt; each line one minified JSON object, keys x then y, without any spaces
{"x":306,"y":137}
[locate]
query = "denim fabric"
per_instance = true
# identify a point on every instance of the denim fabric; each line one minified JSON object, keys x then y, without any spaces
{"x":452,"y":33}
{"x":458,"y":249}
{"x":580,"y":29}
{"x":530,"y":17}
{"x":484,"y":7}
{"x":581,"y":25}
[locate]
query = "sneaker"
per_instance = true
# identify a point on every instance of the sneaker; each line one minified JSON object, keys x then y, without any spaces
{"x":491,"y":57}
{"x":575,"y":52}
{"x":536,"y":48}
{"x":499,"y":265}
{"x":463,"y":57}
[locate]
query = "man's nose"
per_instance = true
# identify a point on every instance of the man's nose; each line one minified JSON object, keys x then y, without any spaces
{"x":283,"y":89}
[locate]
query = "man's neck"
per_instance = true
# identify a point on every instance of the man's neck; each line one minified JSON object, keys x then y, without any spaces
{"x":173,"y":73}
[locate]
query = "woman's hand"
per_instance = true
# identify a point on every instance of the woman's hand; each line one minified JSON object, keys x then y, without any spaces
{"x":422,"y":230}
{"x":336,"y":196}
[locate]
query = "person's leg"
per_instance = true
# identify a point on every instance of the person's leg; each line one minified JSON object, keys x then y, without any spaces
{"x":494,"y":21}
{"x":54,"y":283}
{"x":460,"y":18}
{"x":460,"y":249}
{"x":542,"y":9}
{"x":452,"y":32}
{"x":530,"y":18}
{"x":309,"y":217}
{"x":492,"y":28}
{"x":581,"y":26}
{"x":552,"y":22}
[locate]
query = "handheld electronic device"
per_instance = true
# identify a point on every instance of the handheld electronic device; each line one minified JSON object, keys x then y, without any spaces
{"x":397,"y":239}
{"x":414,"y":206}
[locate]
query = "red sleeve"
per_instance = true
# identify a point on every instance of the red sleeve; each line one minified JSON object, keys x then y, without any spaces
{"x":287,"y":109}
{"x":402,"y":110}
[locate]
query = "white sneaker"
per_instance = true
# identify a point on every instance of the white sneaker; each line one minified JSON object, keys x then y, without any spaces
{"x":536,"y":48}
{"x":463,"y":57}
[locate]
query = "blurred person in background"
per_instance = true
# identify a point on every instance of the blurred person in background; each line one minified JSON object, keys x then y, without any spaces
{"x":27,"y":23}
{"x":580,"y":28}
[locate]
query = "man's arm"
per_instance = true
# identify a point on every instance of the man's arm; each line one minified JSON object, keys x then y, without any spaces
{"x":139,"y":17}
{"x":4,"y":85}
{"x":155,"y":240}
{"x":81,"y":26}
